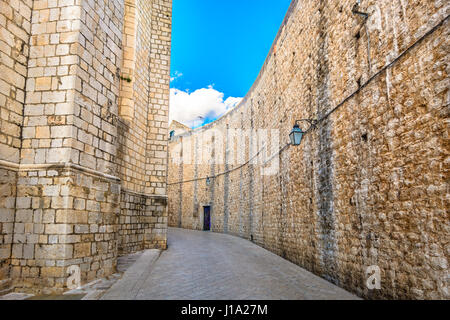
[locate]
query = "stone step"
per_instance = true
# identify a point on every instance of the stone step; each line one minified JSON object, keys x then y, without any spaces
{"x":5,"y":286}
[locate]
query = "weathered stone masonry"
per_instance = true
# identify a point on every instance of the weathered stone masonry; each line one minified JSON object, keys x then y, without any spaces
{"x":369,"y":185}
{"x":84,"y":90}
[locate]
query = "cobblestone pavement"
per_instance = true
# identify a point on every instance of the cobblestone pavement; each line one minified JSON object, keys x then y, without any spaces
{"x":204,"y":265}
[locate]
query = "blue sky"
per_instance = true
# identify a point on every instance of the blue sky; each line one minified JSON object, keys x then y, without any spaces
{"x":218,"y":49}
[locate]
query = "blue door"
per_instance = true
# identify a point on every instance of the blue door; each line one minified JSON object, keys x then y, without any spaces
{"x":206,"y":218}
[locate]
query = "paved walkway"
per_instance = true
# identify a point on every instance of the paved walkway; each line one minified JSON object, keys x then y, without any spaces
{"x":209,"y":266}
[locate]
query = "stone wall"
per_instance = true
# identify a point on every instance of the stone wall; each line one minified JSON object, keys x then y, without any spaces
{"x":77,"y":158}
{"x":15,"y":24}
{"x":69,"y":134}
{"x":369,"y":185}
{"x":144,"y":106}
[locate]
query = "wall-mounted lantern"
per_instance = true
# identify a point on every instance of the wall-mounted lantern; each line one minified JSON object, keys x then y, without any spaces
{"x":208,"y":181}
{"x":297,"y":133}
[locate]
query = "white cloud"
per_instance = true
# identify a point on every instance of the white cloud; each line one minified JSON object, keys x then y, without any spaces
{"x":186,"y":107}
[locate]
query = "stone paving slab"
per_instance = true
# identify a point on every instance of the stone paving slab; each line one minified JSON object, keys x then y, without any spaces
{"x":211,"y":266}
{"x":93,"y":290}
{"x":16,"y":296}
{"x":133,"y":279}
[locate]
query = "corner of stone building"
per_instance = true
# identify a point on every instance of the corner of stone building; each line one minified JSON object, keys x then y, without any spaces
{"x":143,"y":123}
{"x":65,"y":190}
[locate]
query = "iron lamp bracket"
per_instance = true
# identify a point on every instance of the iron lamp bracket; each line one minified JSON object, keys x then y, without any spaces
{"x":312,"y":123}
{"x":356,"y":11}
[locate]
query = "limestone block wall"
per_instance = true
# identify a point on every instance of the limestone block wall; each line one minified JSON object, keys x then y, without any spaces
{"x":368,"y":186}
{"x":15,"y":24}
{"x":144,"y":104}
{"x":70,"y":157}
{"x":63,"y":216}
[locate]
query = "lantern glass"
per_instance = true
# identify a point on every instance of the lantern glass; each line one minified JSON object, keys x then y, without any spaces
{"x":296,"y":135}
{"x":208,"y":181}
